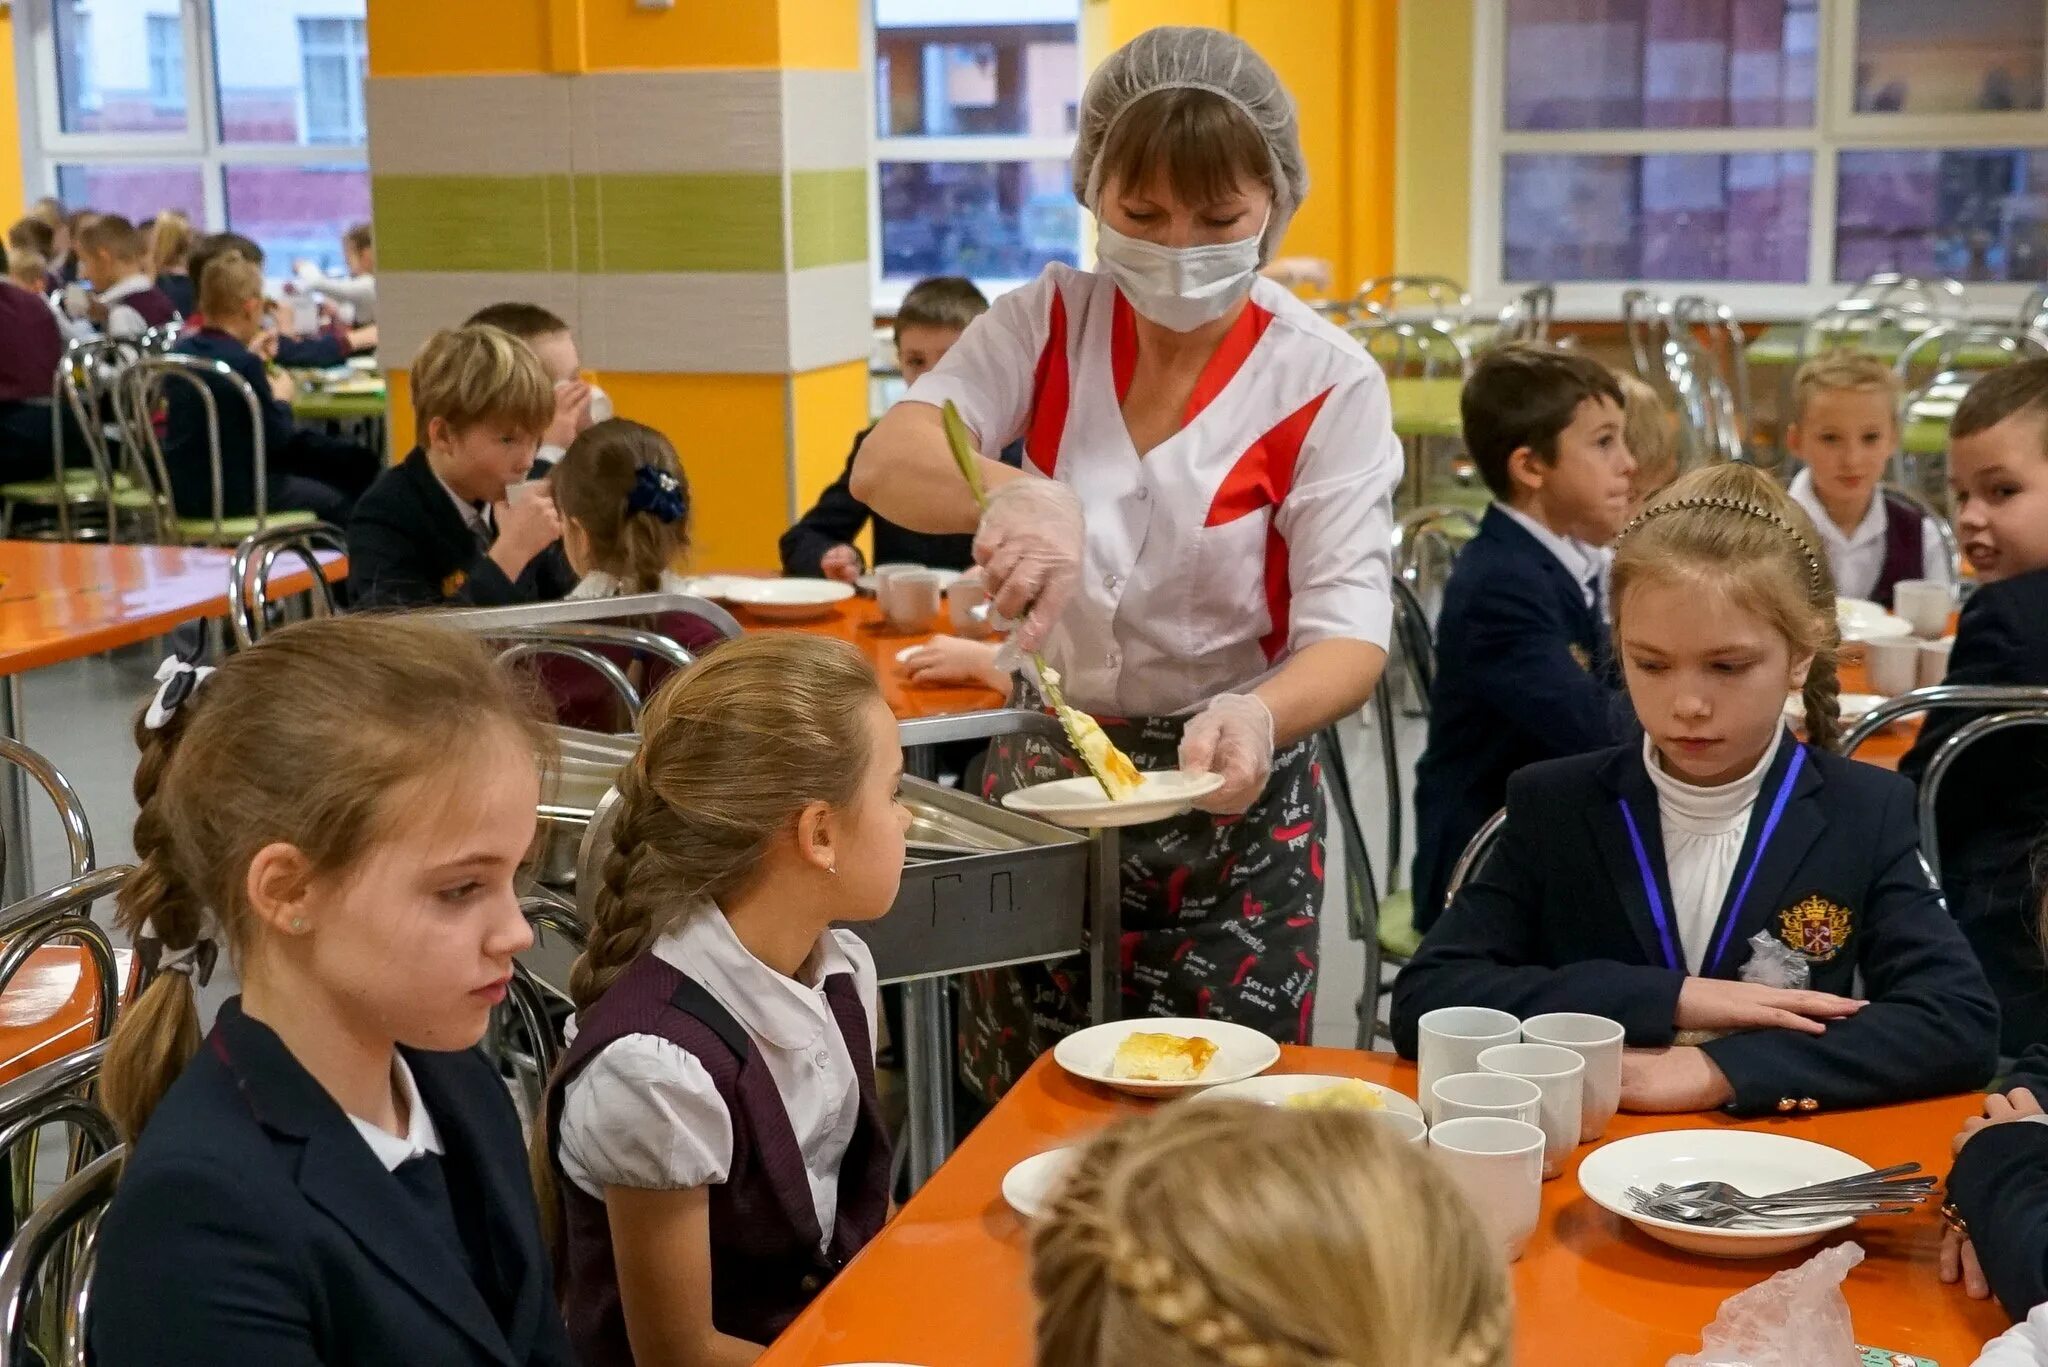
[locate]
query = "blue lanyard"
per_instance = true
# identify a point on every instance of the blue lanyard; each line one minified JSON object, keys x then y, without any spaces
{"x":1733,"y":912}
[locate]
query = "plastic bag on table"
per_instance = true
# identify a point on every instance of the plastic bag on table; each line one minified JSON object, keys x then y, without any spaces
{"x":1797,"y":1318}
{"x":1773,"y":963}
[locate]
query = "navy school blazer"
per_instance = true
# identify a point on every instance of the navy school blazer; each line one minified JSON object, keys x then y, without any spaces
{"x":1523,"y":673}
{"x":409,"y":547}
{"x":1559,"y":919}
{"x":1999,"y":1185}
{"x":254,"y":1226}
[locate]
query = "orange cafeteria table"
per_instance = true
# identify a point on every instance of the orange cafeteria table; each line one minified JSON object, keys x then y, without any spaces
{"x":946,"y":1282}
{"x":62,"y":600}
{"x":1889,"y":746}
{"x":859,"y":621}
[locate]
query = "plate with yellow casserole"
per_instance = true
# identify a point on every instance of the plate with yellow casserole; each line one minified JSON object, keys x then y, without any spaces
{"x":1166,"y":1056}
{"x":1317,"y":1091}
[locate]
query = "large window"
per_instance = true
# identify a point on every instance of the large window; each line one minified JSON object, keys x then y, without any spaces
{"x":244,"y":114}
{"x":974,"y":127}
{"x":1767,"y":151}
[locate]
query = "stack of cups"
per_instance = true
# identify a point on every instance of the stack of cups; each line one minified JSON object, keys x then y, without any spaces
{"x":1509,"y":1100}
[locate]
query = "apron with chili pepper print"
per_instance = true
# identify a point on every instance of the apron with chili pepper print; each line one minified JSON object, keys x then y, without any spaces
{"x":1219,"y":913}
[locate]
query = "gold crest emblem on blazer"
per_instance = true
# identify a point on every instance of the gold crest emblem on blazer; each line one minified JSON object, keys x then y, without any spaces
{"x":1580,"y":657}
{"x":452,"y":585}
{"x":1816,"y":927}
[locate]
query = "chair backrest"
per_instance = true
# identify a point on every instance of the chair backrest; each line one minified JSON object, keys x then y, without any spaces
{"x":1426,"y":543}
{"x":60,"y":1092}
{"x":1475,"y":852}
{"x":46,"y":1271}
{"x":1433,"y":298}
{"x":65,"y":913}
{"x":70,"y":809}
{"x":86,"y":387}
{"x":1941,"y":347}
{"x":1934,"y":296}
{"x":2033,"y":314}
{"x":1668,"y":357}
{"x":256,"y":559}
{"x":1714,"y":339}
{"x":1411,"y":350}
{"x":1528,"y":317}
{"x":524,"y":1037}
{"x":149,"y":381}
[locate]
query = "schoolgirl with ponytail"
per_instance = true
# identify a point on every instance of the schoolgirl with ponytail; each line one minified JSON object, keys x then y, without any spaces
{"x":333,"y":1174}
{"x":711,"y":1149}
{"x":1749,"y":905}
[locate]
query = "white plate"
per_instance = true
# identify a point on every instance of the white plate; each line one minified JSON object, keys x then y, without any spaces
{"x":1855,"y":707}
{"x":1241,"y":1052}
{"x":712,"y":586}
{"x":1863,"y":620}
{"x":947,"y":578}
{"x":787,"y":600}
{"x":1079,"y":802}
{"x":1274,"y":1088}
{"x":1757,"y":1163}
{"x":1029,"y":1186}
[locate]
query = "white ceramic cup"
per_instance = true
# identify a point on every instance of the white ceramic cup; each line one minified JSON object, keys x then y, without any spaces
{"x":884,"y":573}
{"x":1561,"y":1076}
{"x":909,"y":599}
{"x":1934,"y":661}
{"x":1494,"y":1094}
{"x":1498,"y":1164}
{"x":1893,"y":666}
{"x":1925,"y":604}
{"x":515,"y":494}
{"x":1598,"y":1041}
{"x":1407,"y":1126}
{"x":967,"y":593}
{"x":1449,"y":1040}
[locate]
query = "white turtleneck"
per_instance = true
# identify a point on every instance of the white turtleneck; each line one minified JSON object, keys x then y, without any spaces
{"x":1703,"y":833}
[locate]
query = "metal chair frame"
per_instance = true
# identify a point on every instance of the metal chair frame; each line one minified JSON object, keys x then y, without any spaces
{"x":249,"y":586}
{"x":1724,"y":365}
{"x":1474,"y":854}
{"x":1448,"y":301}
{"x":1527,"y":318}
{"x":63,"y":796}
{"x":65,"y":912}
{"x":146,"y":382}
{"x":82,"y":386}
{"x":1935,"y":296}
{"x":2033,"y":314}
{"x":46,"y":1272}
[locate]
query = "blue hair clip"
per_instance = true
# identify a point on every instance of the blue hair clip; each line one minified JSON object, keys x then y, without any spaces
{"x":658,"y":492}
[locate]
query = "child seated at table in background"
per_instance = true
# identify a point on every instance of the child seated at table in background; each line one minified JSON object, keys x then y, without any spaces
{"x":31,"y":236}
{"x":356,"y":288}
{"x":624,"y":503}
{"x":304,"y":469}
{"x":930,"y":319}
{"x":1232,"y":1232}
{"x":578,"y":402}
{"x":124,"y":301}
{"x":31,"y":348}
{"x":329,"y":346}
{"x":1650,"y":435}
{"x":438,"y":529}
{"x":1993,"y":805}
{"x":334,"y":1174}
{"x":713,"y":1140}
{"x":1523,"y":667}
{"x":1844,"y":427}
{"x":170,"y":256}
{"x":1720,"y":878}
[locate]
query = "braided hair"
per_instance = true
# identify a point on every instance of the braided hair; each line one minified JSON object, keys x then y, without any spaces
{"x":1242,"y":1236}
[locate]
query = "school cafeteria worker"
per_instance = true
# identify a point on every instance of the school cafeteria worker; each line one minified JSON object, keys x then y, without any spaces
{"x":1199,"y":536}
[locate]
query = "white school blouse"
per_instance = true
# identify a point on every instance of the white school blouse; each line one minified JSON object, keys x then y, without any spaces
{"x":1263,"y":526}
{"x":598,"y":584}
{"x":644,"y":1113}
{"x":1858,"y":558}
{"x":1703,"y":834}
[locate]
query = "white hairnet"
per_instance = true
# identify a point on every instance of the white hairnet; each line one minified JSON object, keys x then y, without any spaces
{"x":1175,"y":58}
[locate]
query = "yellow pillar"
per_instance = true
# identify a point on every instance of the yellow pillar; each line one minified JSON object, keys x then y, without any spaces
{"x":12,"y":201}
{"x":687,"y":187}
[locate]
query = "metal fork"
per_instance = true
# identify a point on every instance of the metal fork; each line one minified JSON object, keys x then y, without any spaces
{"x":1721,"y":1215}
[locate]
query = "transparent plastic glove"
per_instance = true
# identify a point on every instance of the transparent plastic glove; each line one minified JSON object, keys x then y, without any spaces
{"x":1029,"y":545}
{"x":1795,"y":1319}
{"x":1232,"y":736}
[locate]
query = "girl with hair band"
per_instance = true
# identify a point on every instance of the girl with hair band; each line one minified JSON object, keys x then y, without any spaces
{"x":334,"y":1174}
{"x":1751,"y":907}
{"x":711,"y":1149}
{"x":1232,"y":1235}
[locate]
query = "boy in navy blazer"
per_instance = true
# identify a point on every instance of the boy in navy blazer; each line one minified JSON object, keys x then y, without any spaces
{"x":1993,"y":811}
{"x":1523,"y":667}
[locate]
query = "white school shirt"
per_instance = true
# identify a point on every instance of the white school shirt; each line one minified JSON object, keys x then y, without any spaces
{"x":122,"y":321}
{"x":2023,"y":1345}
{"x":1858,"y":558}
{"x":420,"y":1137}
{"x":1587,"y":565}
{"x":1263,"y":526}
{"x":598,"y":584}
{"x":644,"y":1113}
{"x":1703,"y":833}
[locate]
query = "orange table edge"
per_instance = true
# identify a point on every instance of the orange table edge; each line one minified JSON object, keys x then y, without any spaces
{"x":858,"y":621}
{"x":946,"y":1282}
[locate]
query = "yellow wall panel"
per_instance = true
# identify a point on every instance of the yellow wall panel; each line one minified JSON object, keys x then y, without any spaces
{"x":11,"y":201}
{"x":1129,"y":18}
{"x":1433,"y":143}
{"x":694,"y":35}
{"x":458,"y":37}
{"x":1303,"y":40}
{"x":821,"y":35}
{"x":398,"y":413}
{"x":829,"y":406}
{"x":731,"y":432}
{"x":1374,"y":120}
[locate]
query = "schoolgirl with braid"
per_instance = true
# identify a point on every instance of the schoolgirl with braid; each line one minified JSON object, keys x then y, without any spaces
{"x":1752,"y":907}
{"x":334,"y":1174}
{"x":711,"y":1150}
{"x":1234,"y":1235}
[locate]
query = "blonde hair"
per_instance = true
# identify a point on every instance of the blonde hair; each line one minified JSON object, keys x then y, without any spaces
{"x":28,"y":269}
{"x":1731,"y":526}
{"x":731,"y":750}
{"x":595,"y":483}
{"x":170,"y":242}
{"x":301,"y":740}
{"x":229,"y":282}
{"x":1239,"y":1235}
{"x":469,"y":375}
{"x":1839,"y":370}
{"x":1647,"y":432}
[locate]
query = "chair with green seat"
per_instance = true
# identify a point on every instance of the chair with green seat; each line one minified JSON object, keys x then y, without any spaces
{"x":1956,"y":354}
{"x":1429,"y":299}
{"x":1426,"y":364}
{"x":82,"y":389}
{"x":146,"y":384}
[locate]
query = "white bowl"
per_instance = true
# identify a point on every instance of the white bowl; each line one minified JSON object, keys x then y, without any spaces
{"x":866,"y":583}
{"x":1855,"y":707}
{"x":1241,"y":1052}
{"x":1274,"y":1088}
{"x":1080,"y":802}
{"x":1752,"y":1162}
{"x":1030,"y":1186}
{"x":788,"y":600}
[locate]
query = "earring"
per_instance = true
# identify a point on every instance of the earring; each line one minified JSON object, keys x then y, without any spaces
{"x":833,"y":869}
{"x":298,"y":925}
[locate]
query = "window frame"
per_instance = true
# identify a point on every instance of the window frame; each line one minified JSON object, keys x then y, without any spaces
{"x":1836,"y":128}
{"x":46,"y":146}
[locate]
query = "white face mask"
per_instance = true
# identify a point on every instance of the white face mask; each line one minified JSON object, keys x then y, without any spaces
{"x":1180,"y":288}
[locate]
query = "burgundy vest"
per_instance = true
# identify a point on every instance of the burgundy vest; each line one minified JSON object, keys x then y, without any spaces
{"x":580,"y":696}
{"x":765,"y":1259}
{"x":154,"y":306}
{"x":1902,"y":552}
